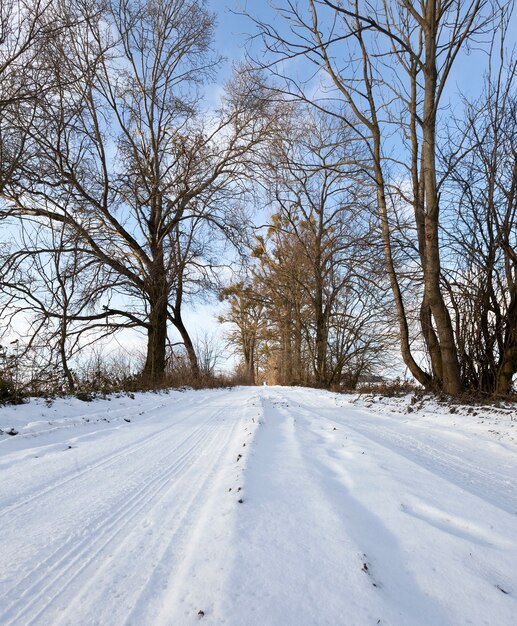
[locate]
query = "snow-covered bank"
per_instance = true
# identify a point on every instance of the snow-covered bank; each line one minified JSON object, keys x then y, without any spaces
{"x":266,"y":506}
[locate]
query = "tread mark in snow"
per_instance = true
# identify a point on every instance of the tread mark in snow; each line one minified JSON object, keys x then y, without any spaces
{"x":51,"y":571}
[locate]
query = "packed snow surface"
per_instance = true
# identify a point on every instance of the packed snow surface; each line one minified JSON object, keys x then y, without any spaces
{"x":267,"y":506}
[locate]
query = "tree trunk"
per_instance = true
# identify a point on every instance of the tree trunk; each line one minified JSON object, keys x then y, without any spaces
{"x":62,"y":353}
{"x":297,"y":349}
{"x":154,"y":369}
{"x":250,"y":367}
{"x":507,"y":370}
{"x":405,"y":347}
{"x":248,"y":352}
{"x":432,"y":294}
{"x":320,"y":316}
{"x":187,"y":342}
{"x":508,"y":363}
{"x":321,"y":350}
{"x":431,"y":342}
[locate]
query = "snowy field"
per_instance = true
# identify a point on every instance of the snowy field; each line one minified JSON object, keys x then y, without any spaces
{"x":257,"y":506}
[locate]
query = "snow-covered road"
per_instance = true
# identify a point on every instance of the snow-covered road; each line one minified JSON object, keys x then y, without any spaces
{"x":266,"y":506}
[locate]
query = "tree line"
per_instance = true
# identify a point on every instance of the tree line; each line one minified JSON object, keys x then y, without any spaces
{"x":439,"y":176}
{"x":388,"y":202}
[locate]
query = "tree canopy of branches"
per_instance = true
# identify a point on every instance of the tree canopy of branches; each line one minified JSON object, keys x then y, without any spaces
{"x":121,"y":158}
{"x":26,"y":29}
{"x":317,"y":275}
{"x":391,"y":200}
{"x":384,"y":69}
{"x":481,"y":236}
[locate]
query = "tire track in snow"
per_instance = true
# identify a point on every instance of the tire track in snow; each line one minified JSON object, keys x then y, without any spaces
{"x":168,"y":553}
{"x":57,"y":567}
{"x":295,"y":561}
{"x":104,"y":463}
{"x":366,"y":492}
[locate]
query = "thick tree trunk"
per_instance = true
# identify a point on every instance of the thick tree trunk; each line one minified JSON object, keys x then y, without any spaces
{"x":250,"y":367}
{"x":433,"y":297}
{"x":248,"y":348}
{"x":507,"y":370}
{"x":154,"y":369}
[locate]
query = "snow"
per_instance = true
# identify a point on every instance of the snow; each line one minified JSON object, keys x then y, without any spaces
{"x":265,"y":505}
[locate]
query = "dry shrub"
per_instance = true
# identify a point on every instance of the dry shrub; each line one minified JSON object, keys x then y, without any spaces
{"x":388,"y":388}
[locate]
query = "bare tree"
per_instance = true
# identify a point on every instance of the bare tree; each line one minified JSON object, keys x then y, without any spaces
{"x":323,"y":223}
{"x":50,"y":296}
{"x":479,"y":195}
{"x":247,"y":316}
{"x":384,"y":70}
{"x":208,"y":350}
{"x":311,"y":284}
{"x":123,"y":157}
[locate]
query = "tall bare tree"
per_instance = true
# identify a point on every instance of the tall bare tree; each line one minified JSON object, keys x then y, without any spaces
{"x":123,"y":157}
{"x":480,"y":199}
{"x":384,"y":69}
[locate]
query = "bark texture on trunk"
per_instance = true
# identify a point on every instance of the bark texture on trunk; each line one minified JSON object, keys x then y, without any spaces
{"x":508,"y":365}
{"x":154,"y":369}
{"x":451,"y":380}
